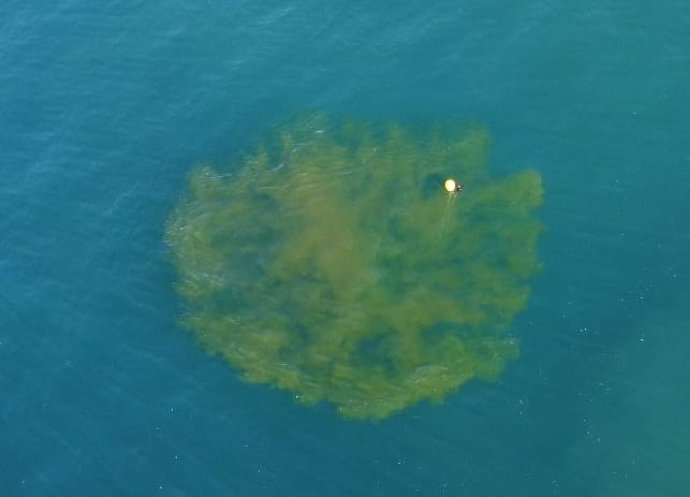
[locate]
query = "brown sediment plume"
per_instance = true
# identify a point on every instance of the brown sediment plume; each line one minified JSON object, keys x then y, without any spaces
{"x":333,"y":264}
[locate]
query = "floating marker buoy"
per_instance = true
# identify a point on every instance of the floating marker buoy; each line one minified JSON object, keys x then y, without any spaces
{"x":452,"y":186}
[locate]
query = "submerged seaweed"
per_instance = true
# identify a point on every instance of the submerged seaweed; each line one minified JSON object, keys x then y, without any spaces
{"x":333,"y":264}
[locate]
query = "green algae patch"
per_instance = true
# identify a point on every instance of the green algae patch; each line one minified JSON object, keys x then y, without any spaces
{"x":332,"y":263}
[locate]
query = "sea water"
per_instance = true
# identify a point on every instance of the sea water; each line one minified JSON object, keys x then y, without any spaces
{"x":106,"y":106}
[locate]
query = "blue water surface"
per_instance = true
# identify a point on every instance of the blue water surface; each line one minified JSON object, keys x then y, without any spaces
{"x":106,"y":106}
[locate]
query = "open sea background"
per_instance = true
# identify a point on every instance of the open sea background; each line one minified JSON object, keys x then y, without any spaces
{"x":106,"y":106}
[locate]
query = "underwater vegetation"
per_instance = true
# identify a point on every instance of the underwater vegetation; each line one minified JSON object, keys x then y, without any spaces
{"x":333,"y":264}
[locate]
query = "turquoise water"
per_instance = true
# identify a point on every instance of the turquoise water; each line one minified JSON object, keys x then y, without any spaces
{"x":105,"y":107}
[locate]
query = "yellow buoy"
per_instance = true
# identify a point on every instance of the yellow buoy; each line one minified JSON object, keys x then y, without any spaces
{"x":450,"y":185}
